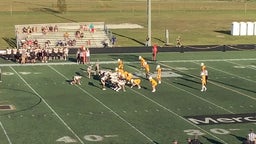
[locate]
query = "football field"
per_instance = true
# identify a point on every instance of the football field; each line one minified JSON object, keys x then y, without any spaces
{"x":38,"y":105}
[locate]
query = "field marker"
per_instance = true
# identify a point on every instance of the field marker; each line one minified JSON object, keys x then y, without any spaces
{"x":5,"y":133}
{"x":108,"y":108}
{"x":55,"y":113}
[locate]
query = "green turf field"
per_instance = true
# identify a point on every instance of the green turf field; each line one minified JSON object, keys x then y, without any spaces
{"x":46,"y":109}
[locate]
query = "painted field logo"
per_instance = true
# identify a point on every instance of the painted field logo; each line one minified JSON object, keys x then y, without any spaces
{"x":164,"y":74}
{"x":222,"y":119}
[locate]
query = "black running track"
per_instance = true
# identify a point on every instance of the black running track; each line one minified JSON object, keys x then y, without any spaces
{"x":144,"y":49}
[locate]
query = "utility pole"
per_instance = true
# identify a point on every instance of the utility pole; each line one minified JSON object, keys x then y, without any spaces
{"x":149,"y":21}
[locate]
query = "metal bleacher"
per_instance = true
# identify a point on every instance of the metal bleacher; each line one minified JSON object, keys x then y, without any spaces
{"x":91,"y":39}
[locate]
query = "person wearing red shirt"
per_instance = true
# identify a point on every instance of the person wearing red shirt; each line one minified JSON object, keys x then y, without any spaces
{"x":154,"y":52}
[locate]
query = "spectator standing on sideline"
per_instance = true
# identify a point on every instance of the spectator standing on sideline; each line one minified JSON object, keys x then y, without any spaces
{"x":178,"y":42}
{"x":147,"y":41}
{"x":88,"y":54}
{"x":113,"y":40}
{"x":154,"y":52}
{"x":252,"y":137}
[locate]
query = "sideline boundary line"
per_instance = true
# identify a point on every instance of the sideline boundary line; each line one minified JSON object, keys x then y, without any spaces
{"x":55,"y":113}
{"x":116,"y":114}
{"x":112,"y":62}
{"x":5,"y":133}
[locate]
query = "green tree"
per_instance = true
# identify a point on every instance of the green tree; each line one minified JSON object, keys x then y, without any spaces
{"x":62,"y":6}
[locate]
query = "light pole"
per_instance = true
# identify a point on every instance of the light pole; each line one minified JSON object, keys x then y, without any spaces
{"x":149,"y":21}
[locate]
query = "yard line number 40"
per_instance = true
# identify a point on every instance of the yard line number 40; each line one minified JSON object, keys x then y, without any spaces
{"x":98,"y":138}
{"x":93,"y":138}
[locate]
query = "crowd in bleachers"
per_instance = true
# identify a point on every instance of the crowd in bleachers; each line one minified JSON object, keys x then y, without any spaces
{"x":69,"y":36}
{"x":34,"y":29}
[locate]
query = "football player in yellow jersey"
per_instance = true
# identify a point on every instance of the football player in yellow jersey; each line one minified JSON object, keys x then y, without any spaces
{"x":159,"y":74}
{"x":142,"y":61}
{"x":120,"y":64}
{"x":147,"y":69}
{"x":119,"y":70}
{"x":203,"y":68}
{"x":153,"y":83}
{"x":128,"y":77}
{"x":136,"y":82}
{"x":203,"y":81}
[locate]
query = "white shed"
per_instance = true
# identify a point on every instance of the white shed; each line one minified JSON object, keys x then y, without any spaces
{"x":254,"y":31}
{"x":243,"y":29}
{"x":250,"y":28}
{"x":235,"y":29}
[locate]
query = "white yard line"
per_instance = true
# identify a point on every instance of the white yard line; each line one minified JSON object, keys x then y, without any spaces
{"x":5,"y":133}
{"x":177,"y":115}
{"x":112,"y":62}
{"x":108,"y":108}
{"x":55,"y":113}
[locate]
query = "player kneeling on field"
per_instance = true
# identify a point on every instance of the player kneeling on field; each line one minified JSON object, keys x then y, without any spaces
{"x":136,"y":82}
{"x":76,"y":80}
{"x":120,"y":85}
